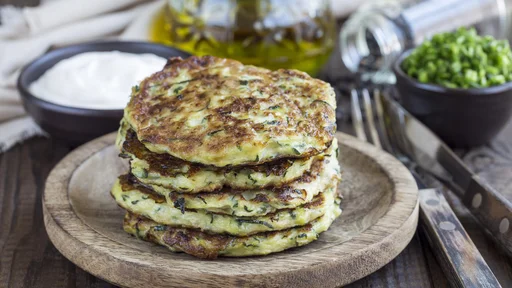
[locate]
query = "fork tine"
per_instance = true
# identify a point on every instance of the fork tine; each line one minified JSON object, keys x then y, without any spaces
{"x":381,"y":121}
{"x":357,"y":118}
{"x":369,"y":117}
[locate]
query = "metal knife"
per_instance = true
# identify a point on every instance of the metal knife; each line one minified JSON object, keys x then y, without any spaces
{"x":451,"y":245}
{"x":493,"y":211}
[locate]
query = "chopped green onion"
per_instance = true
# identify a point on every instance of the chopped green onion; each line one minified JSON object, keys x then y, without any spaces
{"x":461,"y":59}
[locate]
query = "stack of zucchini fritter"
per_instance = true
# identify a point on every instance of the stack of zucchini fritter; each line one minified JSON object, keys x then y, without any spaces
{"x":228,"y":159}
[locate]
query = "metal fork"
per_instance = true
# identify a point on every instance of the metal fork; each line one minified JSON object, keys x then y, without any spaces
{"x":450,"y":243}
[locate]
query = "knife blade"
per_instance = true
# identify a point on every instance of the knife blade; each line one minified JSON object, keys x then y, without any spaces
{"x":492,"y":210}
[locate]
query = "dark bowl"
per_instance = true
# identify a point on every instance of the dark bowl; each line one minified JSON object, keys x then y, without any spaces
{"x":463,"y":118}
{"x":79,"y":125}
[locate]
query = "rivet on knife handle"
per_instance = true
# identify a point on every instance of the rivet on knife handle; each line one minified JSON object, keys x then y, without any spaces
{"x":491,"y":209}
{"x":454,"y":249}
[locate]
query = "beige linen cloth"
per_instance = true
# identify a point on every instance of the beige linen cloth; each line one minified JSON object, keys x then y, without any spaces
{"x":27,"y":33}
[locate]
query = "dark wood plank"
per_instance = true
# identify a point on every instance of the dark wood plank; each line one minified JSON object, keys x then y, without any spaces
{"x":28,"y":259}
{"x":409,"y":269}
{"x":31,"y":162}
{"x":19,"y":3}
{"x":437,"y":275}
{"x":9,"y":167}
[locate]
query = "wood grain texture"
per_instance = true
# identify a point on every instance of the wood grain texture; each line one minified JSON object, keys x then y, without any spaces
{"x":24,"y":168}
{"x":364,"y":240}
{"x":462,"y":262}
{"x":23,"y":171}
{"x":28,"y":259}
{"x":19,"y":3}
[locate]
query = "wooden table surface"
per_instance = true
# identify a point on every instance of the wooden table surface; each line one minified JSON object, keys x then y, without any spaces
{"x":28,"y":258}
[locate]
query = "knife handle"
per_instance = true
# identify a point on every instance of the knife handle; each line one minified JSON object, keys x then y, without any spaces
{"x":463,"y":264}
{"x":493,"y":211}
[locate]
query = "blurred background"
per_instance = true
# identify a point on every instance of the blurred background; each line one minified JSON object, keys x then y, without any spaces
{"x":348,"y":43}
{"x":457,"y":81}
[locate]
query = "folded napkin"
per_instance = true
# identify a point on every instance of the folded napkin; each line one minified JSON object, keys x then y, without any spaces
{"x":27,"y":33}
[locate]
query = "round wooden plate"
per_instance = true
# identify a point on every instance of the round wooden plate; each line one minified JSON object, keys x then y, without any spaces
{"x":380,"y":214}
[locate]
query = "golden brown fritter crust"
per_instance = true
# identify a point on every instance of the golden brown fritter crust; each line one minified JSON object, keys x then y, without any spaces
{"x":168,"y":165}
{"x":128,"y":182}
{"x":181,"y":238}
{"x":165,"y":172}
{"x":209,"y":246}
{"x":219,"y":112}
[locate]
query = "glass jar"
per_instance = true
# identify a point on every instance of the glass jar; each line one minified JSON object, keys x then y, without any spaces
{"x":374,"y":36}
{"x":275,"y":34}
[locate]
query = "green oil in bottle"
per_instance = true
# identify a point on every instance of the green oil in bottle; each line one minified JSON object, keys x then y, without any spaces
{"x":261,"y":33}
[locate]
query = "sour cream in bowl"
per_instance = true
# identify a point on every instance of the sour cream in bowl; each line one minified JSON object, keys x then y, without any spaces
{"x":95,"y":80}
{"x":77,"y":93}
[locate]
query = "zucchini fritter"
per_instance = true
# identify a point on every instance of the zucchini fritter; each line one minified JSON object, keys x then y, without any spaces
{"x":220,"y":112}
{"x":164,"y":172}
{"x":228,"y":159}
{"x":209,"y":246}
{"x":155,"y":207}
{"x":258,"y":202}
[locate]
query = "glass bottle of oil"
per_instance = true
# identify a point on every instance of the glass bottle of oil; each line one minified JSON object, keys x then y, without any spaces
{"x":275,"y":34}
{"x":377,"y":33}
